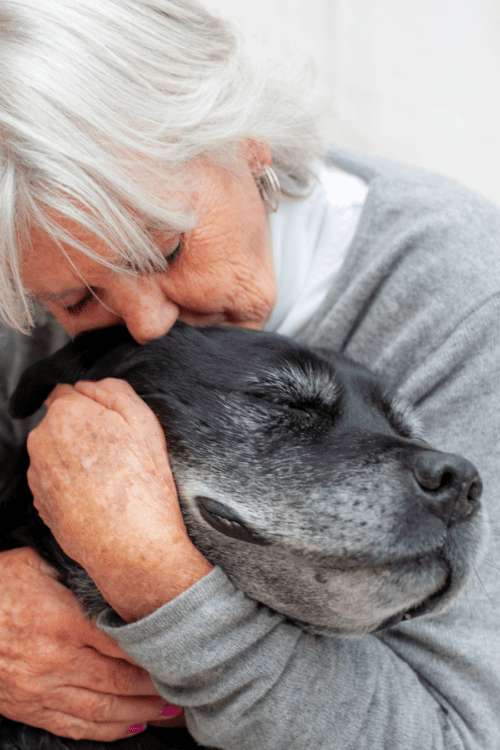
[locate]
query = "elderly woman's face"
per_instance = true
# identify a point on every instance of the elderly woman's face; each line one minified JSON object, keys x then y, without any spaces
{"x":221,"y":271}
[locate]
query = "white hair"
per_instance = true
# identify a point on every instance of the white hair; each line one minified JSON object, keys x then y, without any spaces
{"x":90,"y":89}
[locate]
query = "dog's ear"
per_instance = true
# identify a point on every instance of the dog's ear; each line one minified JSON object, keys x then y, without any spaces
{"x":67,"y":365}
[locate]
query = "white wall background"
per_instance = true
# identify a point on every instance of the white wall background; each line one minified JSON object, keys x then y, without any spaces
{"x":414,"y":80}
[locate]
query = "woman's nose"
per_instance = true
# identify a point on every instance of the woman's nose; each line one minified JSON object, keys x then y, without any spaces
{"x":144,"y":308}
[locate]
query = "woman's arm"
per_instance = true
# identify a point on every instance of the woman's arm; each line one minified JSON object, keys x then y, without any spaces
{"x":250,"y":679}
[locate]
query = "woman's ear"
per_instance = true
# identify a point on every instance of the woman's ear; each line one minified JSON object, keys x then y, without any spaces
{"x":256,"y":153}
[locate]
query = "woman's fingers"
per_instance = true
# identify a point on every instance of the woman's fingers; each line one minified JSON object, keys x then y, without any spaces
{"x":112,"y":393}
{"x":108,"y":391}
{"x":100,"y":707}
{"x":71,"y":727}
{"x":102,"y":674}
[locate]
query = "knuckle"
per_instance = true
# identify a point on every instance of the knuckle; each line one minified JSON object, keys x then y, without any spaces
{"x":120,"y":678}
{"x":32,"y":439}
{"x":73,"y":730}
{"x":61,"y":406}
{"x":124,"y":677}
{"x":102,"y":707}
{"x":109,"y":382}
{"x":58,"y":716}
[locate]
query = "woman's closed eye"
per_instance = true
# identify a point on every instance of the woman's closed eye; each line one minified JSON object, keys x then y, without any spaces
{"x":82,"y":304}
{"x":172,"y":255}
{"x":91,"y":297}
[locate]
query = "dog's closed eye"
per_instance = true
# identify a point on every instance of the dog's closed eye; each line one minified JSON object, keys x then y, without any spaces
{"x":226,"y":521}
{"x":300,"y":407}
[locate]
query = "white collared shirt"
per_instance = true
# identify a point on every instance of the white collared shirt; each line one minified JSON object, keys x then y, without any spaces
{"x":310,"y":240}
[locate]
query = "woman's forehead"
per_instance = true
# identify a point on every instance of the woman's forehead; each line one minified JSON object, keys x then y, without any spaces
{"x":50,"y":272}
{"x":44,"y":242}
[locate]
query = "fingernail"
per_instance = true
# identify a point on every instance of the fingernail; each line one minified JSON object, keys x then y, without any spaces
{"x":135,"y":728}
{"x":171,"y":711}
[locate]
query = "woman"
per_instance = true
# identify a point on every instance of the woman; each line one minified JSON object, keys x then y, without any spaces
{"x":137,"y":144}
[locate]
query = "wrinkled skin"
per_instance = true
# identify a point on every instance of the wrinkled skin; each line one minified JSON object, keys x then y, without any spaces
{"x":222,"y":275}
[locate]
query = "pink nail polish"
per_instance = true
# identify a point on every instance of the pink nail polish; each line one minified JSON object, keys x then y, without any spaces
{"x":135,"y":728}
{"x":171,"y":711}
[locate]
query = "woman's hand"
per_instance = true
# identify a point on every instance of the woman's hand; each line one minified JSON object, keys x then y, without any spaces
{"x":101,"y":480}
{"x":58,"y":671}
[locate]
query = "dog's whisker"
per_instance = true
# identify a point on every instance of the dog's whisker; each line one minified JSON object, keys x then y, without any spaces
{"x":486,"y":592}
{"x":490,"y":563}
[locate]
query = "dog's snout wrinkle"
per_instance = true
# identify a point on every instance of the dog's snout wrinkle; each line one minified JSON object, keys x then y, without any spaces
{"x":451,"y":485}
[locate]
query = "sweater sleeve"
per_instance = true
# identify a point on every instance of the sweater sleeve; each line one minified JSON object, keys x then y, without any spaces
{"x":249,"y":679}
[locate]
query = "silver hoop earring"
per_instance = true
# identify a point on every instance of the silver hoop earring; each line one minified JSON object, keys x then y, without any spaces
{"x":269,"y":188}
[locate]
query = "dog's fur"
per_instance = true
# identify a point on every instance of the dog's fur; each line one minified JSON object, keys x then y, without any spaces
{"x":298,"y":472}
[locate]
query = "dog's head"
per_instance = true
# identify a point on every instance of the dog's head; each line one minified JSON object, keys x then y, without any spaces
{"x":297,"y":472}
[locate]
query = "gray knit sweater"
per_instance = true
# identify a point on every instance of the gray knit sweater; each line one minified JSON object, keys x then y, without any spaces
{"x":417,"y":299}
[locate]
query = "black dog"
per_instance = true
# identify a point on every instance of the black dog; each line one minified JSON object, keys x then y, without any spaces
{"x":297,"y":472}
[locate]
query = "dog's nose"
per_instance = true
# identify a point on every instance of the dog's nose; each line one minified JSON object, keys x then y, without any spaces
{"x":451,"y":485}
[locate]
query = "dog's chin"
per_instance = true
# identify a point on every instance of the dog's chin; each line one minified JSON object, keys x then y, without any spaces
{"x":356,"y":599}
{"x":360,"y":621}
{"x":428,"y":605}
